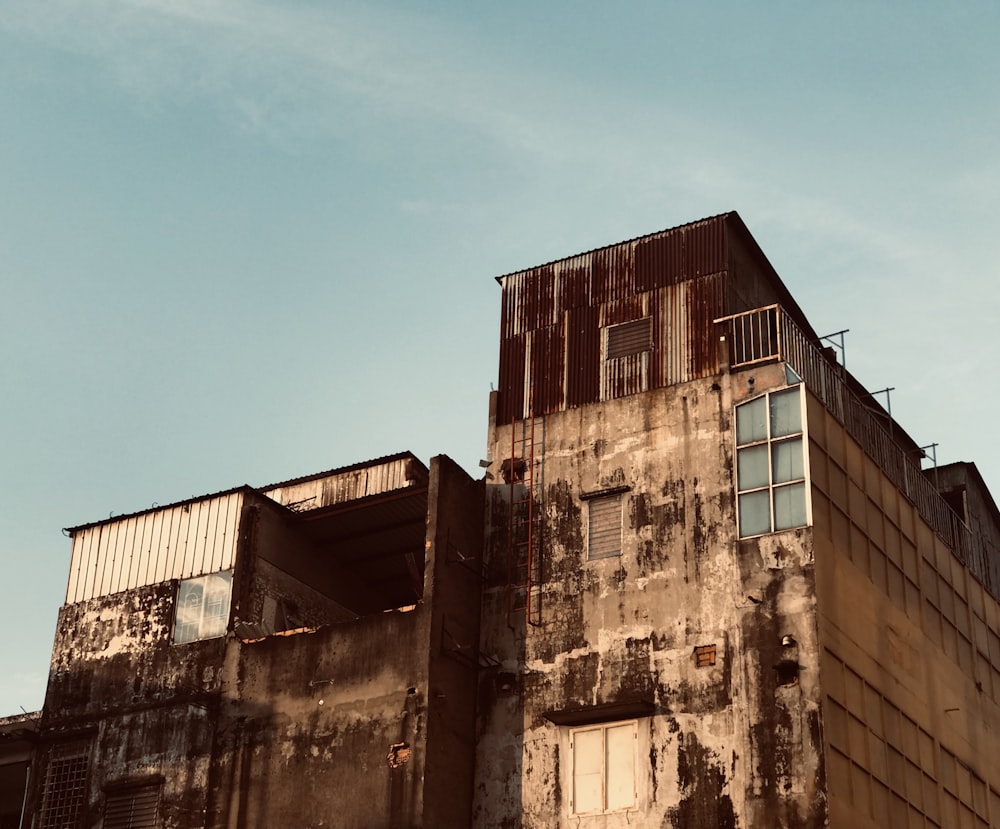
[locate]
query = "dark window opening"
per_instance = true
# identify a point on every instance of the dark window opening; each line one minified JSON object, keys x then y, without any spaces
{"x":787,"y":673}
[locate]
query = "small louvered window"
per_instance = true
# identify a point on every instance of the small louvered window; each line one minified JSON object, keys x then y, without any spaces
{"x":629,"y":338}
{"x":134,"y":807}
{"x":605,"y":527}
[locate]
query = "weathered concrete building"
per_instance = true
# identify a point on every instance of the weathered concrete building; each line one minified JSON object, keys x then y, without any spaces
{"x":704,"y":583}
{"x":720,"y":591}
{"x":294,"y":656}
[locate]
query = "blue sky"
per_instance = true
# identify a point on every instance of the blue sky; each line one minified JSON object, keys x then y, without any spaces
{"x":245,"y":241}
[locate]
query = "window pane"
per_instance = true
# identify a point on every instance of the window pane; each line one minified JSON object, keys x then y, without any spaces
{"x":751,"y":471}
{"x":789,"y":506}
{"x":620,"y":766}
{"x":786,"y":413}
{"x":786,"y":460}
{"x":202,"y":607}
{"x":588,"y":751}
{"x":755,"y":513}
{"x":216,"y":614}
{"x":751,"y":421}
{"x":189,"y":598}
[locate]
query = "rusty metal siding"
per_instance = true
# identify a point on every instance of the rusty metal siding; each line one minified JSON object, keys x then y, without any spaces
{"x":186,"y":540}
{"x":678,"y":276}
{"x":547,"y":369}
{"x":510,"y":402}
{"x":574,"y":283}
{"x":339,"y":487}
{"x":583,"y":356}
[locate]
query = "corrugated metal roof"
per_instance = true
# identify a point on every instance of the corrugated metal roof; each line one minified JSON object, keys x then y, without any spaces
{"x":405,"y":455}
{"x":643,"y":237}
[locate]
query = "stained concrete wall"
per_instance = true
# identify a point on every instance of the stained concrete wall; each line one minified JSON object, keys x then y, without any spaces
{"x":614,"y":638}
{"x":368,"y":722}
{"x":910,"y":653}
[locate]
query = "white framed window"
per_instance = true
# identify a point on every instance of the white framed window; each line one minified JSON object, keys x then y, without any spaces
{"x":604,"y":526}
{"x":603,"y":761}
{"x":771,"y":463}
{"x":202,"y":610}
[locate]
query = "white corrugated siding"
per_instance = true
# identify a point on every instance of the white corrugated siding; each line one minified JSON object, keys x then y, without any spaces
{"x":177,"y":542}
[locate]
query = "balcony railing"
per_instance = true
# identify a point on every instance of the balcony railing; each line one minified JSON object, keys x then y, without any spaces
{"x":769,"y":335}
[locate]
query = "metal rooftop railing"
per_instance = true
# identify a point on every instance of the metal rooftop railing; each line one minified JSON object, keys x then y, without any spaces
{"x":767,"y":335}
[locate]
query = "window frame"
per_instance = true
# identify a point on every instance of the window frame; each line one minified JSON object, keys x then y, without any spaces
{"x":204,"y":628}
{"x":65,"y":787}
{"x":133,"y":805}
{"x":603,"y":728}
{"x":601,"y":499}
{"x":769,"y":443}
{"x":625,"y":365}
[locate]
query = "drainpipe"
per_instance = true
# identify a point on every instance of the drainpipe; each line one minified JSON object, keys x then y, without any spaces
{"x":24,"y":800}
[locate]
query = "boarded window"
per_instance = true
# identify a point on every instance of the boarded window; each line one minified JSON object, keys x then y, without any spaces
{"x":605,"y":527}
{"x":604,"y":761}
{"x":202,"y":610}
{"x":65,"y":789}
{"x":133,"y":807}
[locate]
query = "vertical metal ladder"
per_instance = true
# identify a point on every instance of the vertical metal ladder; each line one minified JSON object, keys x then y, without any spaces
{"x":523,"y":560}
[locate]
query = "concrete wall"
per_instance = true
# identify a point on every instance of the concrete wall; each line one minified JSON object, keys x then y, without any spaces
{"x":614,"y":638}
{"x":910,"y":653}
{"x":367,"y":722}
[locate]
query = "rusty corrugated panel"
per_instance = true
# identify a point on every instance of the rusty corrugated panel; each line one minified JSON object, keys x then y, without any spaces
{"x":510,"y":402}
{"x":626,"y":375}
{"x":680,"y":254}
{"x":583,"y":356}
{"x":686,"y":337}
{"x":547,"y":370}
{"x":659,"y":260}
{"x":613,"y":284}
{"x":705,"y":302}
{"x":574,"y":283}
{"x":341,"y":485}
{"x":613,"y":274}
{"x":706,"y":247}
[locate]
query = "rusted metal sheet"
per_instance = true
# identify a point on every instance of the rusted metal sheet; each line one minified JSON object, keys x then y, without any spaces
{"x":583,"y":356}
{"x":339,"y":486}
{"x":548,"y":369}
{"x":181,"y":541}
{"x":677,"y":276}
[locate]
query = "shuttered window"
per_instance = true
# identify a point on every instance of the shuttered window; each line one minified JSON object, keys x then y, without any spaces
{"x":629,"y":338}
{"x":605,"y":527}
{"x":135,"y":807}
{"x":604,"y":766}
